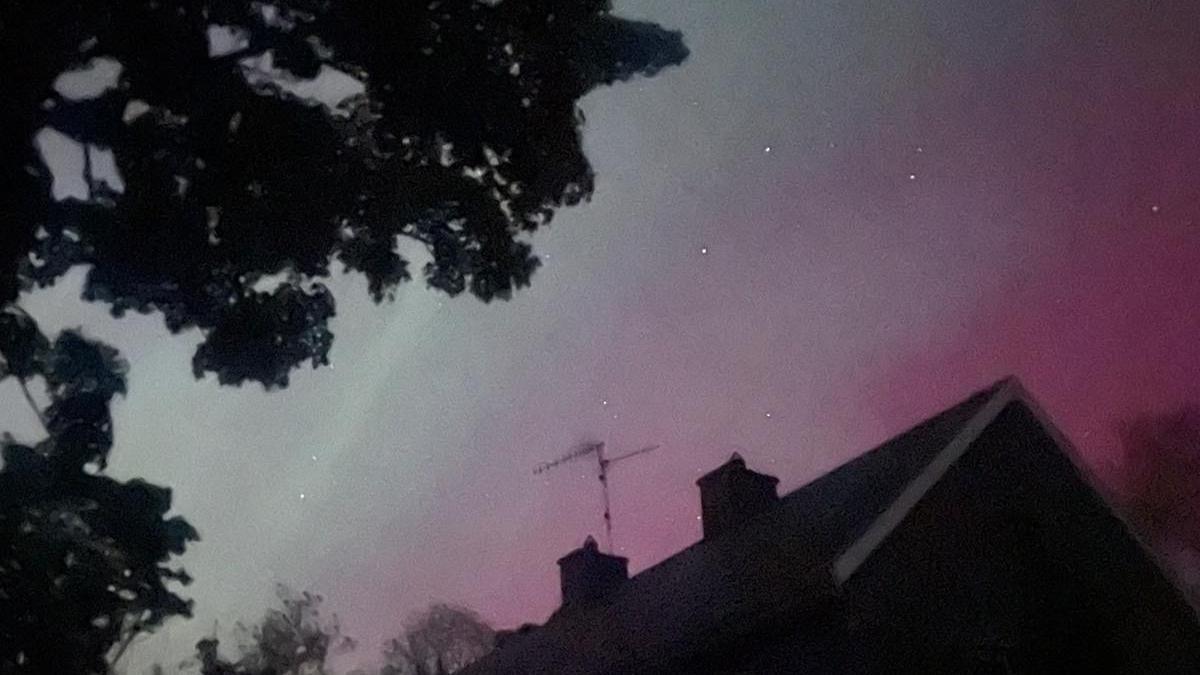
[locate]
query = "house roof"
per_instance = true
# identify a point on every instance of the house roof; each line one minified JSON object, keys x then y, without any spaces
{"x":840,"y":506}
{"x":783,"y":562}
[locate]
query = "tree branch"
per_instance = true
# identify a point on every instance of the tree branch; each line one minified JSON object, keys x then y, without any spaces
{"x":88,"y":178}
{"x":24,"y":384}
{"x":235,"y":57}
{"x":33,"y":404}
{"x":128,"y":640}
{"x":19,"y":310}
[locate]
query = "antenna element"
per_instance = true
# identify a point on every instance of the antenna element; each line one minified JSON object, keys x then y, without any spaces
{"x":602,"y":465}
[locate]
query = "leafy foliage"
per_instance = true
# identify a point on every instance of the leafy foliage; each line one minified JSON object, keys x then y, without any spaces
{"x":82,"y":556}
{"x":21,"y":344}
{"x":466,"y":139}
{"x":441,"y":640}
{"x":292,"y":639}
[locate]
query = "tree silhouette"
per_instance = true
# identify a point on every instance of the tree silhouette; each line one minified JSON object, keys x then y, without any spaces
{"x":291,"y":639}
{"x":237,"y":193}
{"x":82,"y":556}
{"x":1161,"y":462}
{"x":465,"y":139}
{"x":441,"y":640}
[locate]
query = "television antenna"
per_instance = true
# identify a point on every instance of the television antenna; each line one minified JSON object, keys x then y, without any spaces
{"x":602,"y":465}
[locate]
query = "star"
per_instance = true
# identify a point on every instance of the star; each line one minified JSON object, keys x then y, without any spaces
{"x":768,"y":415}
{"x":912,"y":176}
{"x":1154,"y":209}
{"x":767,"y":149}
{"x":301,"y":495}
{"x":703,"y":250}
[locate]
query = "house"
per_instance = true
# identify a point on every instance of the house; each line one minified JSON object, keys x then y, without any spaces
{"x":975,"y":542}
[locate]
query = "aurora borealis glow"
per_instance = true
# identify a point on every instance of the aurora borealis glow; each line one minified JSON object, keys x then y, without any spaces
{"x":826,"y":225}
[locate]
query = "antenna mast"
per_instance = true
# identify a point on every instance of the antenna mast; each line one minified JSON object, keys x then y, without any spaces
{"x":602,"y":465}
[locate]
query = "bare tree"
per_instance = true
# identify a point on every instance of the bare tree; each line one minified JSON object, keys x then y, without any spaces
{"x":441,"y":640}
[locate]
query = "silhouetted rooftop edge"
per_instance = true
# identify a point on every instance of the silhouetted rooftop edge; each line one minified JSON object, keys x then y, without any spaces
{"x":837,"y":520}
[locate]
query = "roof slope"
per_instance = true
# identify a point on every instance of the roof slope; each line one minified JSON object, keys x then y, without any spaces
{"x":840,"y":506}
{"x":779,"y":563}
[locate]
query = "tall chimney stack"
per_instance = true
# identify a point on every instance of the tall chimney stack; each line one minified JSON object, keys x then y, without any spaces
{"x":589,"y":576}
{"x":731,"y":494}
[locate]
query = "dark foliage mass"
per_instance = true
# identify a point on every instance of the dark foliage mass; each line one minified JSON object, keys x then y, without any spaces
{"x":1161,"y":466}
{"x":236,"y":196}
{"x":295,"y":638}
{"x":466,"y":139}
{"x":291,"y":638}
{"x":441,"y":640}
{"x":83,"y":557}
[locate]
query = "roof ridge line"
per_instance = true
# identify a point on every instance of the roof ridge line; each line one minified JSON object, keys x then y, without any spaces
{"x":1106,"y":494}
{"x":848,"y":562}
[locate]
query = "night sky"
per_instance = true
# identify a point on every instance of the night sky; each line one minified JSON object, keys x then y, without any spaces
{"x":833,"y":221}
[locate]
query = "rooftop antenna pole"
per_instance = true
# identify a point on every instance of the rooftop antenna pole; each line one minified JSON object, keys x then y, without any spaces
{"x":602,"y":465}
{"x":603,"y":476}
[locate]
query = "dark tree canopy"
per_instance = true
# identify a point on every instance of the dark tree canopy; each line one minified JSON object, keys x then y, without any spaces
{"x":1161,"y":472}
{"x":292,"y":638}
{"x":466,"y":139}
{"x":83,"y":557}
{"x":441,"y":640}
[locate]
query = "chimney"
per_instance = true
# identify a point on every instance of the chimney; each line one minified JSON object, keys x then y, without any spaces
{"x":589,"y":575}
{"x":731,"y":494}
